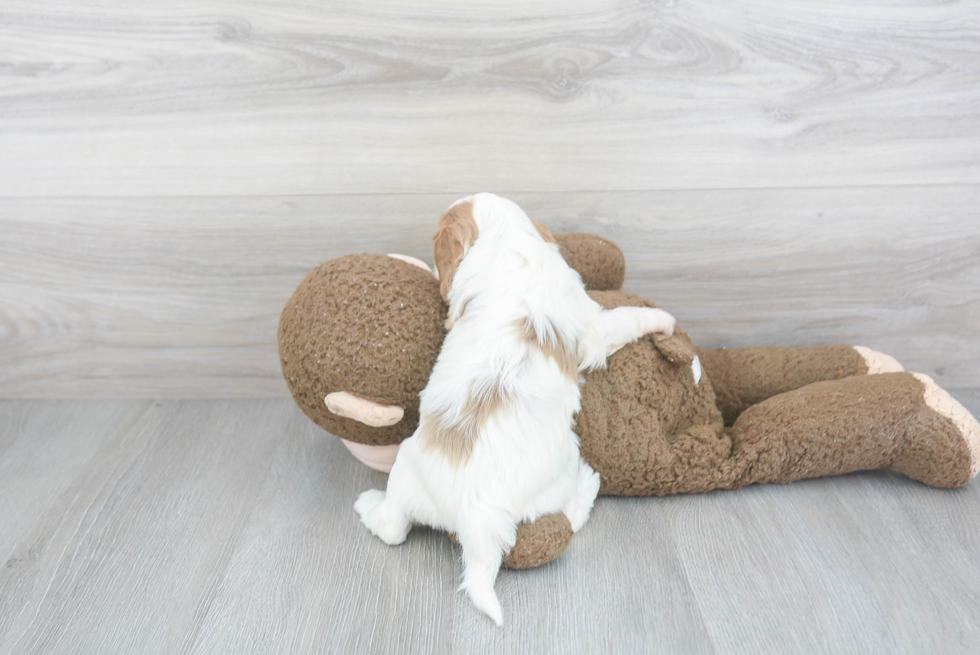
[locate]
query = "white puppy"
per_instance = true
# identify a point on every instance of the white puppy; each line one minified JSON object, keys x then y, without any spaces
{"x":495,"y":445}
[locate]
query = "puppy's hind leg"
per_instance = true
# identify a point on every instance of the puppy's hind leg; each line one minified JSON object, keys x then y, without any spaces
{"x":485,"y":535}
{"x":381,"y":516}
{"x":586,"y":489}
{"x":387,"y":515}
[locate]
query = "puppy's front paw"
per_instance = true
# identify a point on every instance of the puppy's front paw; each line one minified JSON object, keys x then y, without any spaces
{"x":657,"y":321}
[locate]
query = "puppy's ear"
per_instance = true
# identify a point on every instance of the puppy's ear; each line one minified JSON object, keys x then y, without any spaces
{"x":456,"y":233}
{"x":544,"y":232}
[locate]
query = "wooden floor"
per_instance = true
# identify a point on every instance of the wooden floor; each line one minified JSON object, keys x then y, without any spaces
{"x":782,"y":173}
{"x":227,"y":527}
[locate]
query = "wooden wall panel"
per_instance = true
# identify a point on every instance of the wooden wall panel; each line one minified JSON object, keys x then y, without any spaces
{"x":237,"y":98}
{"x":777,"y":173}
{"x":180,"y":297}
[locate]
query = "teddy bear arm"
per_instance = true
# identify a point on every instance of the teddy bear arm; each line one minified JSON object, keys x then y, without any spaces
{"x":743,"y":377}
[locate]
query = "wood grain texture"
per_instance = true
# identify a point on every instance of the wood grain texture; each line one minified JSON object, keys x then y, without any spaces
{"x":304,"y":577}
{"x":43,"y":449}
{"x":862,"y":563}
{"x":227,"y":526}
{"x":776,"y":173}
{"x":271,"y":98}
{"x":180,"y":297}
{"x":129,"y":555}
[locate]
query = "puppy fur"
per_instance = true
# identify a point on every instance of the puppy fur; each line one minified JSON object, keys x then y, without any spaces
{"x":495,"y":445}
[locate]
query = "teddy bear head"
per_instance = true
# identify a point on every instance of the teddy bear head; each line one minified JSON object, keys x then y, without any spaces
{"x":360,"y":335}
{"x":357,"y":343}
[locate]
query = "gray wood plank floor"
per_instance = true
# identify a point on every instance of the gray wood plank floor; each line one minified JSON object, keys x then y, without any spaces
{"x":135,"y":526}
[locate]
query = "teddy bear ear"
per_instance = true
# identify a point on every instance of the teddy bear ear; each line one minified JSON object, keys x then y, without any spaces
{"x":366,"y":411}
{"x":380,"y":458}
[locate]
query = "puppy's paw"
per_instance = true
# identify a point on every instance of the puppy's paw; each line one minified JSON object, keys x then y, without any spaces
{"x":657,"y":321}
{"x":367,"y":501}
{"x":386,"y":521}
{"x":579,"y":507}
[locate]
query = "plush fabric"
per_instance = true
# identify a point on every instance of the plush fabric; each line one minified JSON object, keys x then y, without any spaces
{"x":537,"y":543}
{"x":599,"y":261}
{"x":372,"y":326}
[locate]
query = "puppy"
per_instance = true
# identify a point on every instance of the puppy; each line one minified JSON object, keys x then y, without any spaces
{"x":495,"y":445}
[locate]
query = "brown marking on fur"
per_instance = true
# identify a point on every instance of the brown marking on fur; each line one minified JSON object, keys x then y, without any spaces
{"x":456,"y":232}
{"x":485,"y":402}
{"x":554,"y":348}
{"x":455,"y":440}
{"x":544,"y":232}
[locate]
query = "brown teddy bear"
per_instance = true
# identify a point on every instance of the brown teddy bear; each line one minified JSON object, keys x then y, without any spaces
{"x":360,"y":335}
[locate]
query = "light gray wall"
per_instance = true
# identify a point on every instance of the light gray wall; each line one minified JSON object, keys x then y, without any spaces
{"x":776,"y":173}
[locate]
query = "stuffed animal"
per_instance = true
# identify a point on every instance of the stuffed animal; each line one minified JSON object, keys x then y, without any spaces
{"x":360,"y":335}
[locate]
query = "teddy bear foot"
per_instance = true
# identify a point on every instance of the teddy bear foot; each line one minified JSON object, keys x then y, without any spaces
{"x":878,"y":362}
{"x":942,"y":443}
{"x":951,"y":455}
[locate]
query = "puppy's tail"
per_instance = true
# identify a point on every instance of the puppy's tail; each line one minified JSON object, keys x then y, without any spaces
{"x":485,"y":535}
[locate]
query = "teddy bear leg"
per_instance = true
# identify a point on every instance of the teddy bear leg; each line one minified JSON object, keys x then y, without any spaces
{"x":742,"y":377}
{"x":859,"y":423}
{"x":536,"y":543}
{"x":539,"y":542}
